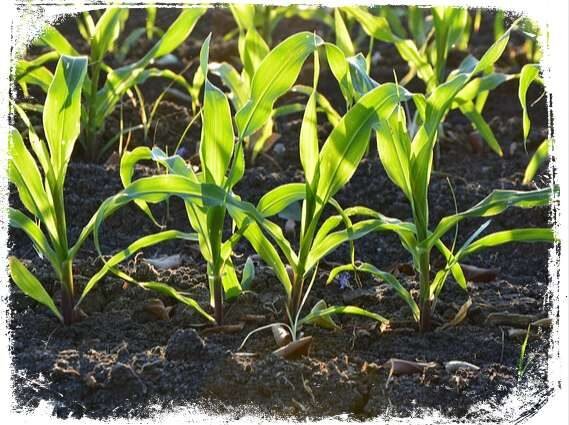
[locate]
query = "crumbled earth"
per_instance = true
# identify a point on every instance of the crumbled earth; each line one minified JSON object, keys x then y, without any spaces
{"x":122,"y":358}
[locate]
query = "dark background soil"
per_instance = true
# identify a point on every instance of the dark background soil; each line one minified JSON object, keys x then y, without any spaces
{"x":119,"y":359}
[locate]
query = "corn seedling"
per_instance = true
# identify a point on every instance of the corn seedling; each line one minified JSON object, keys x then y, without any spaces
{"x":208,"y":193}
{"x":42,"y":195}
{"x":326,"y":172}
{"x":216,"y":154}
{"x":450,"y":27}
{"x":100,"y":101}
{"x":408,"y":162}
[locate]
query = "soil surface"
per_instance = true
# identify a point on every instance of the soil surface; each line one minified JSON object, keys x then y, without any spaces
{"x":122,"y":358}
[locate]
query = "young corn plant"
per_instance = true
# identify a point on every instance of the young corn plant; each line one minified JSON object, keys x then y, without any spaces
{"x":42,"y":194}
{"x":104,"y":87}
{"x":40,"y":182}
{"x":208,"y":193}
{"x":408,"y":160}
{"x":216,"y":154}
{"x":528,"y":75}
{"x":450,"y":27}
{"x":326,"y":170}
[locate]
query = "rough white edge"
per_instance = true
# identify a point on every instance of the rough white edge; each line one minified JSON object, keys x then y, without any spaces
{"x":17,"y":27}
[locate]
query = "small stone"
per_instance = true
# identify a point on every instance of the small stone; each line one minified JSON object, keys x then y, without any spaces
{"x":185,"y":344}
{"x":279,"y":149}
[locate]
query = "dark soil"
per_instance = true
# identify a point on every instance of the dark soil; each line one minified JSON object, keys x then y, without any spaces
{"x":121,"y":359}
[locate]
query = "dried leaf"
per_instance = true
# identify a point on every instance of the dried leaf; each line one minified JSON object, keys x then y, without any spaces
{"x":510,"y":319}
{"x":295,"y":349}
{"x":479,"y":274}
{"x":281,"y":334}
{"x":453,"y":365}
{"x":165,"y":262}
{"x":224,"y":329}
{"x":459,"y":316}
{"x":156,"y":308}
{"x":399,"y":367}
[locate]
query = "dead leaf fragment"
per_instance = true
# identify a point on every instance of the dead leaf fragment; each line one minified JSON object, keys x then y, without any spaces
{"x":510,"y":319}
{"x":224,"y":329}
{"x":479,"y":274}
{"x":399,"y":367}
{"x":165,"y":262}
{"x":459,"y":316}
{"x":476,"y":142}
{"x":454,"y":365}
{"x":295,"y":349}
{"x":281,"y":335}
{"x":542,"y":323}
{"x":156,"y":308}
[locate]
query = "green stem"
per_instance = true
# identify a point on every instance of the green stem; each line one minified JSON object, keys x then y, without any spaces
{"x":218,"y":299}
{"x":67,"y":295}
{"x":296,"y":295}
{"x":424,"y":294}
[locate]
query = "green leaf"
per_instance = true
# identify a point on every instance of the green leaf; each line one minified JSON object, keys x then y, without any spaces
{"x":274,"y":77}
{"x":325,"y":321}
{"x":384,"y":276}
{"x":261,"y":245}
{"x":481,"y":84}
{"x":361,"y":81}
{"x":528,"y":75}
{"x":469,"y":110}
{"x":343,"y":39}
{"x":492,"y":240}
{"x":248,"y":274}
{"x":255,"y":50}
{"x":167,"y":290}
{"x":133,"y":248}
{"x":321,"y":101}
{"x":127,"y":166}
{"x":349,"y":309}
{"x":360,"y":229}
{"x":30,"y":286}
{"x":216,"y":146}
{"x":106,"y":32}
{"x":229,"y":76}
{"x":375,"y":26}
{"x":122,"y":79}
{"x":54,"y":39}
{"x":394,"y":148}
{"x":341,"y":71}
{"x":279,"y":198}
{"x":308,"y":141}
{"x":231,"y":285}
{"x":244,"y":15}
{"x":538,"y":158}
{"x":62,"y":112}
{"x":494,"y":204}
{"x":24,"y":173}
{"x":20,"y":221}
{"x":348,"y":141}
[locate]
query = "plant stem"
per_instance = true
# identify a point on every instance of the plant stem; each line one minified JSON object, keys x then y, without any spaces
{"x":424,"y":294}
{"x":296,"y":295}
{"x":67,"y":295}
{"x":218,"y":298}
